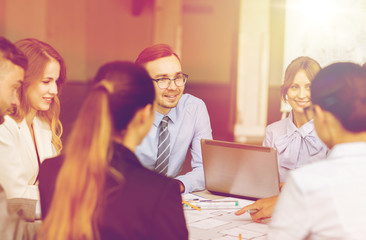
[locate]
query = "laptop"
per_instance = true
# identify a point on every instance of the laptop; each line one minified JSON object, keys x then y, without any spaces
{"x":240,"y":170}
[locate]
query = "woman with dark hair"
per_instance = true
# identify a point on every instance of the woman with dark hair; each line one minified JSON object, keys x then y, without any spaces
{"x":319,"y":201}
{"x":294,"y":137}
{"x":102,"y":191}
{"x":32,"y":132}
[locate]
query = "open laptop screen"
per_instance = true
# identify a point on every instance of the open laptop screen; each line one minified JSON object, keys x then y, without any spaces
{"x":240,"y":170}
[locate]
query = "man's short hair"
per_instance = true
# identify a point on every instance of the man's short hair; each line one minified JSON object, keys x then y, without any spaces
{"x":155,"y":52}
{"x":9,"y":52}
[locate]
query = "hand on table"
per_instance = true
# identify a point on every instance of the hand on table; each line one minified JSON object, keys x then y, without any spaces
{"x":263,"y":206}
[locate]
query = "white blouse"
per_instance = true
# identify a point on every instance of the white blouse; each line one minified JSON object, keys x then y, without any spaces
{"x":295,"y":146}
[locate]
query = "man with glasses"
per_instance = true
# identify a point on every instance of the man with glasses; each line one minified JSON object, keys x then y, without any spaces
{"x":181,"y":121}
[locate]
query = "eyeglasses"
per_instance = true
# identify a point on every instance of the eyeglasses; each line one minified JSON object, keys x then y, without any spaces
{"x":180,"y":80}
{"x":309,"y":112}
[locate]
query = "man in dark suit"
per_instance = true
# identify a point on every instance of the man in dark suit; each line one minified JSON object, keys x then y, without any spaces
{"x":13,"y":212}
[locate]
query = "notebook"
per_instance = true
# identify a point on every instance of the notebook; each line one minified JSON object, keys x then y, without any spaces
{"x":240,"y":170}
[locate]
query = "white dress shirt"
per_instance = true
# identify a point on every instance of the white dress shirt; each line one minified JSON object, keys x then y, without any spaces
{"x":324,"y":200}
{"x":295,"y":146}
{"x":18,"y":158}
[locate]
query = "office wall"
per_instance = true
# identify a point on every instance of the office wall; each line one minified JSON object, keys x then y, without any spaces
{"x":253,"y":62}
{"x":209,"y":55}
{"x":90,"y":32}
{"x":25,"y":19}
{"x":86,"y":32}
{"x":210,"y":32}
{"x":2,"y":17}
{"x":277,"y":34}
{"x":335,"y":31}
{"x":66,"y":31}
{"x":113,"y":32}
{"x":276,"y":55}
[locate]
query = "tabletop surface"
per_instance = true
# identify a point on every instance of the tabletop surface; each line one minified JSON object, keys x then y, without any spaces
{"x":221,"y":223}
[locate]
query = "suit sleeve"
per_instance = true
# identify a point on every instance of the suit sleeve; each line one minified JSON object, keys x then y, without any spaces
{"x":195,"y":180}
{"x":169,"y":217}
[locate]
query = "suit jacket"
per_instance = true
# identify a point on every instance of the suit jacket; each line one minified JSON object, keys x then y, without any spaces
{"x":18,"y":162}
{"x":145,"y":205}
{"x":13,"y":227}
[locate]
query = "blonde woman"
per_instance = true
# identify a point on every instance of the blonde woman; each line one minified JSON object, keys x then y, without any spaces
{"x":294,"y":137}
{"x":99,"y":189}
{"x":32,"y":132}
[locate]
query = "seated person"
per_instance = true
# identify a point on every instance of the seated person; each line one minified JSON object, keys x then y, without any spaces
{"x":32,"y":132}
{"x":99,"y":189}
{"x":294,"y":137}
{"x":319,"y":201}
{"x":186,"y":118}
{"x":12,"y":65}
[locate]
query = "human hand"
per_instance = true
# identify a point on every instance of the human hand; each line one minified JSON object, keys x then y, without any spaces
{"x":260,"y":210}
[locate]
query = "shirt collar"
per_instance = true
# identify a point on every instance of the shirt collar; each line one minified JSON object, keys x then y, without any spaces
{"x":172,"y":116}
{"x":304,"y":130}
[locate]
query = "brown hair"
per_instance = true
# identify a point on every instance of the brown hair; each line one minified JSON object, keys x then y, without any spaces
{"x":121,"y":89}
{"x":39,"y":54}
{"x":309,"y":65}
{"x":155,"y":52}
{"x":9,"y":52}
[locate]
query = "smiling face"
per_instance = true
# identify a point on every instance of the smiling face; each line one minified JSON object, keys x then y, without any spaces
{"x":42,"y":91}
{"x":11,"y":77}
{"x":165,"y":67}
{"x":299,"y":92}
